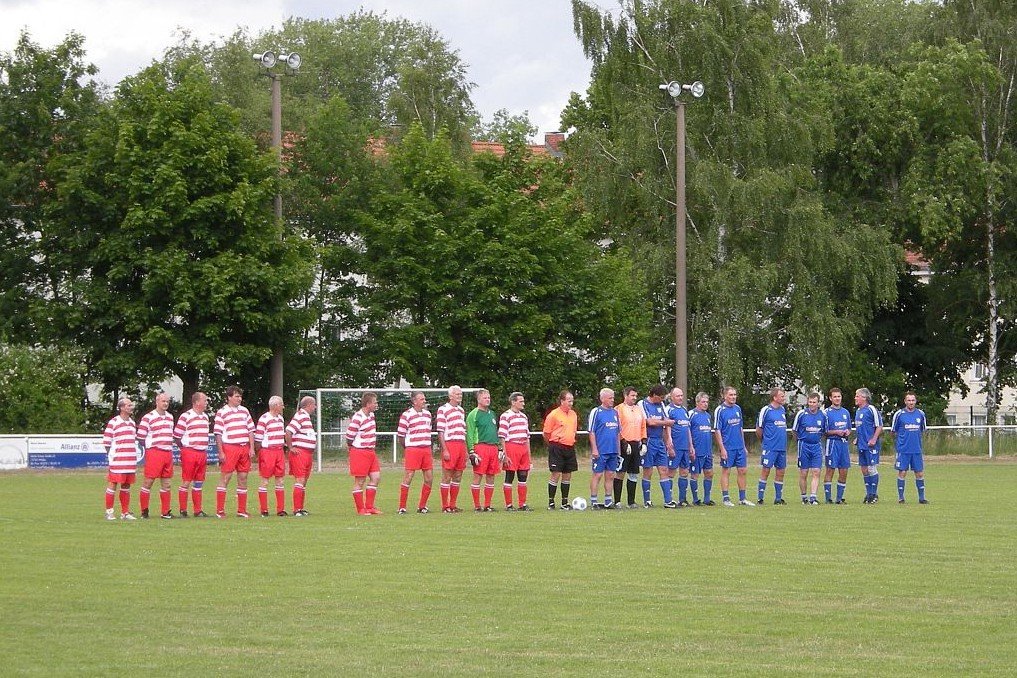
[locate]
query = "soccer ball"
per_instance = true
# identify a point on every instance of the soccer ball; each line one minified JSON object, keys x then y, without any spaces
{"x":579,"y":503}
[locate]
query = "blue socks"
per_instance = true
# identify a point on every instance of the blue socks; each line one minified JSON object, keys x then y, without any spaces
{"x":707,"y":486}
{"x":646,"y":490}
{"x":900,"y":489}
{"x":920,"y":484}
{"x":683,"y":488}
{"x":762,"y":491}
{"x":779,"y":489}
{"x":694,"y":485}
{"x":840,"y":491}
{"x":667,"y":487}
{"x":828,"y":491}
{"x":741,"y":495}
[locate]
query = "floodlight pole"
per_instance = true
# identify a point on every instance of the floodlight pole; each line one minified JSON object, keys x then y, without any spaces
{"x":276,"y":369}
{"x":681,"y":357}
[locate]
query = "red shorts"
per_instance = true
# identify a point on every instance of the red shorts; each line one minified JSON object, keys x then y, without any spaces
{"x":418,"y":459}
{"x":192,"y":464}
{"x":488,"y":454}
{"x":158,"y":463}
{"x":363,"y":462}
{"x":122,"y":478}
{"x":235,"y":458}
{"x":518,"y":457}
{"x":301,"y":462}
{"x":271,"y":462}
{"x":457,"y":455}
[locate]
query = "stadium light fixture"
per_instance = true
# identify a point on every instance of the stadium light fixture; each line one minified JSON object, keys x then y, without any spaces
{"x":292,"y":60}
{"x":265,"y":59}
{"x":681,"y":355}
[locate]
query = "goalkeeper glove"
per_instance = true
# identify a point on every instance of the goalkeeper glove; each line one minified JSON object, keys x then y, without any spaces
{"x":474,"y":459}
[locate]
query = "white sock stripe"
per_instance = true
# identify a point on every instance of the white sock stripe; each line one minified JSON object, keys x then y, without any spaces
{"x":491,"y":486}
{"x":109,"y":491}
{"x":404,"y":485}
{"x":280,"y":487}
{"x":239,"y":491}
{"x":297,"y":486}
{"x":522,"y":483}
{"x":262,"y":490}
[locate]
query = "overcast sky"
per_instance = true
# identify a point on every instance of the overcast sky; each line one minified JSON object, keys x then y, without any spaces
{"x":522,"y":54}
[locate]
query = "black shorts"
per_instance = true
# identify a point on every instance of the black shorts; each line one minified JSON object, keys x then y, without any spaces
{"x":561,"y":459}
{"x":630,"y":459}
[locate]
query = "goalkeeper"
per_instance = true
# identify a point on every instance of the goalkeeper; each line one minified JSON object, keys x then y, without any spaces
{"x":482,"y":442}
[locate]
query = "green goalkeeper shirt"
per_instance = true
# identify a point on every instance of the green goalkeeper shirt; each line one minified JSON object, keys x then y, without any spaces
{"x":481,"y":427}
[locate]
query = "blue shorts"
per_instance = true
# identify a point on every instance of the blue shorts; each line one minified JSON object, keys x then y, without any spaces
{"x":775,"y":458}
{"x":735,"y":459}
{"x":838,"y":455}
{"x":914,"y":462}
{"x":655,"y":453}
{"x":703,"y":462}
{"x":679,"y":460}
{"x":605,"y":462}
{"x":810,"y":457}
{"x":868,"y":457}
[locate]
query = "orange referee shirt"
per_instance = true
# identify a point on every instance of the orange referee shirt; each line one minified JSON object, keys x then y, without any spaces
{"x":633,"y":422}
{"x":560,"y":427}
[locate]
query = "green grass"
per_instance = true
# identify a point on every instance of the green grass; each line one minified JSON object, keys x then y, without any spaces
{"x":845,"y":590}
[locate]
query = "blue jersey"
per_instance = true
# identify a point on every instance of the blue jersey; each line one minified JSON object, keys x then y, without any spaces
{"x":773,"y":421}
{"x":809,"y":427}
{"x":837,"y":419}
{"x":603,"y":425}
{"x":680,"y":428}
{"x":909,"y":427}
{"x":728,"y":421}
{"x":654,"y":410}
{"x":867,"y":420}
{"x":702,"y":432}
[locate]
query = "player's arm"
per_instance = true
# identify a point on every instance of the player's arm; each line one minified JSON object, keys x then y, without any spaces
{"x":692,"y":447}
{"x":259,"y":436}
{"x":549,"y":427}
{"x":590,"y":424}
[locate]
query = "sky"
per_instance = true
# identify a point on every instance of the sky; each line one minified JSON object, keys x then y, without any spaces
{"x":522,"y":54}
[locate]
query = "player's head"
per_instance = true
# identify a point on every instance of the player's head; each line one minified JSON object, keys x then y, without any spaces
{"x":910,"y":400}
{"x":777,"y":396}
{"x":369,"y":401}
{"x":730,"y":395}
{"x":199,"y":401}
{"x":657,"y":393}
{"x":161,"y":403}
{"x":275,"y":404}
{"x":606,"y":397}
{"x":702,"y":400}
{"x":836,"y":396}
{"x":813,"y":401}
{"x":566,"y":400}
{"x":517,"y":401}
{"x":125,"y":406}
{"x":455,"y":394}
{"x":629,"y":395}
{"x":308,"y":404}
{"x":863,"y":397}
{"x":234,"y":395}
{"x":418,"y":400}
{"x":677,"y":396}
{"x":483,"y":398}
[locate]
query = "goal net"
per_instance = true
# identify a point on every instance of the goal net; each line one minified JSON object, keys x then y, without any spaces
{"x":337,"y":405}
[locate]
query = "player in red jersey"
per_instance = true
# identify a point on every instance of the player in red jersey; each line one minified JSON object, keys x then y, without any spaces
{"x":361,"y":440}
{"x":302,"y":441}
{"x":234,"y":436}
{"x":450,"y":422}
{"x":514,"y":430}
{"x":414,"y":433}
{"x":122,"y":454}
{"x":155,"y":437}
{"x":191,"y":435}
{"x":269,"y":441}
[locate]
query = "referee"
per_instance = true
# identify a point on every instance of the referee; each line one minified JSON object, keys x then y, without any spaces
{"x":560,"y":427}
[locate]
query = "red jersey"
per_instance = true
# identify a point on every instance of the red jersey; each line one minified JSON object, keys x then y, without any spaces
{"x":192,"y":430}
{"x":234,"y":424}
{"x":302,"y":432}
{"x":361,"y":431}
{"x":156,"y":430}
{"x":415,"y":428}
{"x":451,"y":422}
{"x":120,"y":437}
{"x":271,"y":430}
{"x":514,"y":427}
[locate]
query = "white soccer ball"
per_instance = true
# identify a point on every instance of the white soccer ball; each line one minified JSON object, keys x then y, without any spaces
{"x":579,"y":503}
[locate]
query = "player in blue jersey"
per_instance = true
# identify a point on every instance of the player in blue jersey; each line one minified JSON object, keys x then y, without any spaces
{"x":868,"y":429}
{"x":838,"y":451}
{"x":727,"y":430}
{"x":909,"y":425}
{"x":605,"y":430}
{"x":702,"y":445}
{"x":808,"y":429}
{"x":658,"y":447}
{"x":771,"y":428}
{"x":681,"y":440}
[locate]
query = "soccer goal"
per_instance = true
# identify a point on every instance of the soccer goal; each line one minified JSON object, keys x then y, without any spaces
{"x":337,"y":405}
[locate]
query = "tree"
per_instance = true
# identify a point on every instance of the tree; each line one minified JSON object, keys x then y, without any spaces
{"x":41,"y":390}
{"x":168,"y":241}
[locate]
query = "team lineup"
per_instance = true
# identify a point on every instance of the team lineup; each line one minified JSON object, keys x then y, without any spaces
{"x":628,"y":441}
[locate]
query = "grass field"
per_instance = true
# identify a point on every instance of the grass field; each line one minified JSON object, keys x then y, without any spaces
{"x":828,"y":590}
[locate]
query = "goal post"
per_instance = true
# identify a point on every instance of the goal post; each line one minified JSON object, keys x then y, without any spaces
{"x":336,"y":406}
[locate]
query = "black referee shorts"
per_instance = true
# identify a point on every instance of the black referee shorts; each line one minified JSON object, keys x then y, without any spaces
{"x":561,"y":459}
{"x":630,"y":460}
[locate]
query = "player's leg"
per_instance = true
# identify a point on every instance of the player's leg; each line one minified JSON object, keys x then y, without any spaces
{"x":506,"y":487}
{"x":842,"y":476}
{"x":444,"y":486}
{"x":425,"y":488}
{"x":919,"y":467}
{"x":165,"y":494}
{"x":242,"y":493}
{"x":552,"y":489}
{"x":619,"y":473}
{"x":814,"y":476}
{"x":453,"y":489}
{"x":647,"y":482}
{"x":803,"y":474}
{"x":874,"y":476}
{"x":145,"y":497}
{"x":780,"y":466}
{"x":764,"y":474}
{"x":725,"y":482}
{"x":489,"y":485}
{"x":694,"y":484}
{"x":263,"y":494}
{"x":522,"y":475}
{"x":125,"y":502}
{"x":741,"y":484}
{"x":683,"y":484}
{"x":478,"y":481}
{"x":371,"y":492}
{"x":595,"y":487}
{"x":707,"y":486}
{"x":404,"y":486}
{"x":666,"y":486}
{"x":828,"y":478}
{"x":280,"y":495}
{"x":111,"y":495}
{"x":220,"y":493}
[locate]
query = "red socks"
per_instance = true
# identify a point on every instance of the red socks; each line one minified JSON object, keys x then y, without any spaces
{"x":164,"y":501}
{"x":507,"y":489}
{"x":404,"y":493}
{"x":182,"y":498}
{"x":146,"y":495}
{"x":280,"y":498}
{"x":241,"y":500}
{"x":453,"y":494}
{"x":443,"y":489}
{"x":369,"y":495}
{"x":475,"y":489}
{"x":220,"y":500}
{"x":425,"y":492}
{"x":125,"y":500}
{"x":358,"y":500}
{"x":522,"y":493}
{"x":196,"y":498}
{"x":110,"y":498}
{"x":263,"y":499}
{"x":488,"y":493}
{"x":298,"y":497}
